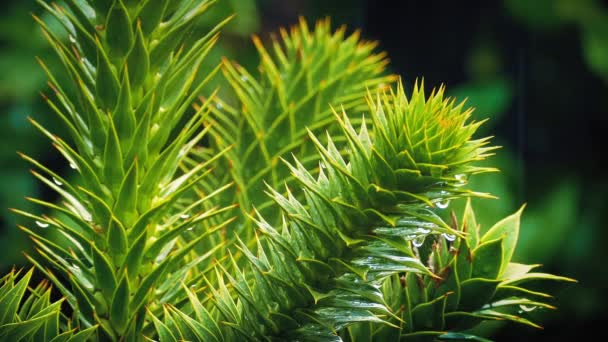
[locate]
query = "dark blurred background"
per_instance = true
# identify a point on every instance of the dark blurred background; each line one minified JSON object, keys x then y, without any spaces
{"x":538,"y":69}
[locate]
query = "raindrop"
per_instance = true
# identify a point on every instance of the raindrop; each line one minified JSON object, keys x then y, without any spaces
{"x":42,"y":224}
{"x":72,"y":39}
{"x":418,"y":241}
{"x":449,"y":237}
{"x":218,"y":105}
{"x":423,"y":230}
{"x":462,"y":179}
{"x":442,"y":204}
{"x":73,"y":166}
{"x":191,"y":228}
{"x":56,"y":181}
{"x":526,"y":308}
{"x":184,"y":216}
{"x":244,"y":78}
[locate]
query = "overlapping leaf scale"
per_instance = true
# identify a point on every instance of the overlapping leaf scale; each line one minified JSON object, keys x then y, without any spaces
{"x":478,"y":282}
{"x":302,"y":72}
{"x":121,"y":228}
{"x":323,"y":269}
{"x":28,"y":313}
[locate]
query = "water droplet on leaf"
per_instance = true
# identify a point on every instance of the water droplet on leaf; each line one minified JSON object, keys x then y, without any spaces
{"x":449,"y":237}
{"x":526,"y":308}
{"x":419,"y":241}
{"x":73,"y":166}
{"x":423,"y":230}
{"x":56,"y":181}
{"x":442,"y":204}
{"x":42,"y":224}
{"x":184,"y":216}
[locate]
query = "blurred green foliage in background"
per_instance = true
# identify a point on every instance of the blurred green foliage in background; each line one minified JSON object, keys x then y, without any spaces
{"x":537,"y":69}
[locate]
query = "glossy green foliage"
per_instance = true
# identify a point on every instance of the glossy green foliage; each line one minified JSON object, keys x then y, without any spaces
{"x":302,"y":73}
{"x":118,"y":233}
{"x":478,"y":282}
{"x":28,"y":313}
{"x":140,"y":244}
{"x":335,"y":248}
{"x":323,"y":268}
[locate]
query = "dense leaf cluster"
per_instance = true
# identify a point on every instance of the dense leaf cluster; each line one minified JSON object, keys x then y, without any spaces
{"x":164,"y":234}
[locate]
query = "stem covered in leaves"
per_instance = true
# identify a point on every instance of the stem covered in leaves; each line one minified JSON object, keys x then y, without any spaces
{"x":114,"y":245}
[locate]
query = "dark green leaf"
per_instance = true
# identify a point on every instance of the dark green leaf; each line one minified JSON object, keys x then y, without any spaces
{"x":119,"y":311}
{"x":117,"y":242}
{"x":138,"y":60}
{"x":464,"y":260}
{"x":151,"y":15}
{"x":135,"y":255}
{"x":107,"y":86}
{"x":103,"y":272}
{"x":119,"y":31}
{"x":429,"y":315}
{"x":476,"y":292}
{"x":147,"y":284}
{"x":487,"y":259}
